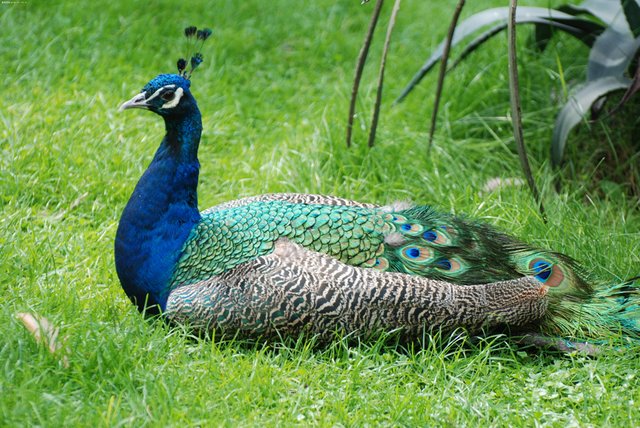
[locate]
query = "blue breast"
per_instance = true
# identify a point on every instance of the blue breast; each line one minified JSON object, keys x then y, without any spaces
{"x":161,"y":212}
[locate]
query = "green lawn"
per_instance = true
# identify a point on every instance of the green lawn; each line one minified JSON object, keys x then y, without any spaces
{"x":274,"y":94}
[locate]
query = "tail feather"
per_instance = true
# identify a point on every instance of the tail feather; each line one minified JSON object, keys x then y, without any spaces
{"x":579,"y":306}
{"x":608,"y":312}
{"x":442,"y":246}
{"x":624,"y":300}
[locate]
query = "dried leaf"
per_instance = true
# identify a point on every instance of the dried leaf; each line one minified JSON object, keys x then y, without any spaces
{"x":45,"y":334}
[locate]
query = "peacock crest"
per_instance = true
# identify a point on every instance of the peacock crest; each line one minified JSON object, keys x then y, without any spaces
{"x":196,"y":40}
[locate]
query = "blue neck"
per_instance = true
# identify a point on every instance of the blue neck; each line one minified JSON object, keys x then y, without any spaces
{"x":160,"y":214}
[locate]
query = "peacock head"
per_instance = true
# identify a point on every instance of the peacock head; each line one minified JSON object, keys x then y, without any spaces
{"x":168,"y":94}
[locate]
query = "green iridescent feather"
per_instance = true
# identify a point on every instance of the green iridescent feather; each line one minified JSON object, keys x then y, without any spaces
{"x":226,"y":238}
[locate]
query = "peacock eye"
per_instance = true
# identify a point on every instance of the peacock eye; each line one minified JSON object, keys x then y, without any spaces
{"x":168,"y":96}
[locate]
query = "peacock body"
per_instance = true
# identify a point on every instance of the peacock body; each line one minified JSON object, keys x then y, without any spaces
{"x":294,"y":262}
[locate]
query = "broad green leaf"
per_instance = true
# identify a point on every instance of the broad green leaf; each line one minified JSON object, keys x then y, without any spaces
{"x":492,"y":17}
{"x":632,"y":13}
{"x":612,"y":51}
{"x":633,"y":88}
{"x":605,"y":10}
{"x":585,"y":30}
{"x":576,"y":109}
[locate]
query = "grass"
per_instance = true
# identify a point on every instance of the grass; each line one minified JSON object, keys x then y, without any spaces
{"x":274,"y":94}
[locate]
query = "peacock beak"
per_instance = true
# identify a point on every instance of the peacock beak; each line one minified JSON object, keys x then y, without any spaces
{"x":139,"y":101}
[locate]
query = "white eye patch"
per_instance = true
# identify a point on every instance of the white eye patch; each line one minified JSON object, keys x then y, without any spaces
{"x":176,"y":99}
{"x":159,"y":91}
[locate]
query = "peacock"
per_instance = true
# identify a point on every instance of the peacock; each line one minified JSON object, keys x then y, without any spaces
{"x":283,"y":264}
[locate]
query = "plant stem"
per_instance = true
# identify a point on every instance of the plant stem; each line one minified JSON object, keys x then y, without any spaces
{"x":362,"y":59}
{"x":387,"y":41}
{"x":516,"y":112}
{"x":443,"y":70}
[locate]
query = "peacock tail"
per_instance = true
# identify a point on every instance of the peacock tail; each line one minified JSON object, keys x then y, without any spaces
{"x":610,"y":311}
{"x":580,"y":306}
